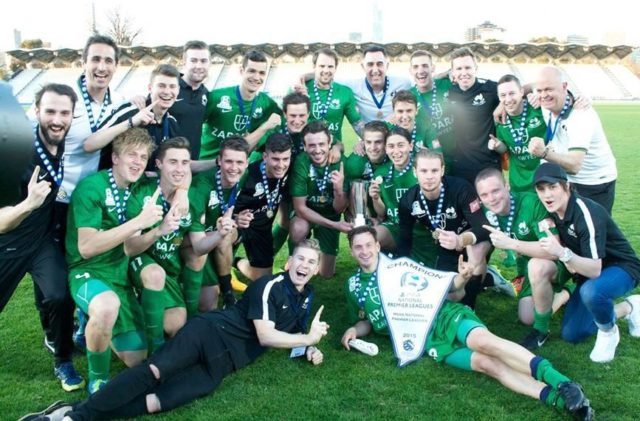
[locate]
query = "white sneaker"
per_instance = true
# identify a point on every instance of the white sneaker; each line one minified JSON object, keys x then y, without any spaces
{"x":605,"y":348}
{"x":633,"y":318}
{"x":500,"y":283}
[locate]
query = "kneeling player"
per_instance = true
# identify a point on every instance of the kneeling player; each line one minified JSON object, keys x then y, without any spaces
{"x":262,"y":192}
{"x":96,"y":231}
{"x":458,"y":337}
{"x":156,"y":265}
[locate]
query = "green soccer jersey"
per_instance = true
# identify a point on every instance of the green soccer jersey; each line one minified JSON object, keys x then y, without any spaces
{"x":363,"y":302}
{"x":314,"y":183}
{"x":436,"y":114}
{"x":423,"y":136}
{"x":333,"y":105}
{"x":525,"y":222}
{"x":225,"y":117}
{"x":94,"y":204}
{"x":204,"y":198}
{"x":358,"y":167}
{"x":522,"y":165}
{"x":166,"y":250}
{"x":393,"y":187}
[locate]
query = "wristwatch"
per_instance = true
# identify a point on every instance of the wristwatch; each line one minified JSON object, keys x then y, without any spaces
{"x":567,"y":255}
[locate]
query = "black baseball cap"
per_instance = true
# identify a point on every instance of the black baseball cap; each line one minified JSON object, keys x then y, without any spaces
{"x":549,"y":172}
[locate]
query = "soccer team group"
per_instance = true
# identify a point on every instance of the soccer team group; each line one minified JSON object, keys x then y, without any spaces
{"x":132,"y":212}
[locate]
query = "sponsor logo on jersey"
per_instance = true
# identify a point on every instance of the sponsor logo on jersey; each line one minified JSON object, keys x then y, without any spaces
{"x":478,"y":100}
{"x":224,"y":104}
{"x":335,"y":104}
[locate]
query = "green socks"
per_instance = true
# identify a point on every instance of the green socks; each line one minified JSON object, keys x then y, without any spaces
{"x":99,"y":363}
{"x":153,"y":307}
{"x":191,"y":283}
{"x":541,"y":321}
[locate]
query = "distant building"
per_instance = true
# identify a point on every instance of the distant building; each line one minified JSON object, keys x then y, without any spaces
{"x":377,"y":24}
{"x":17,"y":38}
{"x":484,"y":32}
{"x":577,"y":39}
{"x":355,"y":37}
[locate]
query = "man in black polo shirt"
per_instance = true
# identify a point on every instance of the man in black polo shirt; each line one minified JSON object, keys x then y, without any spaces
{"x":439,"y":219}
{"x":163,"y":91}
{"x":26,"y":229}
{"x":262,"y":192}
{"x":191,"y":103}
{"x":603,"y":264}
{"x":472,"y":102}
{"x":273,"y":313}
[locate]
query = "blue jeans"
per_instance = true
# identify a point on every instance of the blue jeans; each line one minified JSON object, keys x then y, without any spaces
{"x":591,"y":305}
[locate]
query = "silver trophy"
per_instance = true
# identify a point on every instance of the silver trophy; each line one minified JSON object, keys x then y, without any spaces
{"x":359,"y":202}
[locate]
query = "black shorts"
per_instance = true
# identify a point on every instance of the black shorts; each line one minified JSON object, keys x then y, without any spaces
{"x":258,"y":243}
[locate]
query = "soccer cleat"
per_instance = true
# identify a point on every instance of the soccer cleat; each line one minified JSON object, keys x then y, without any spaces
{"x":575,"y":401}
{"x":236,"y":284}
{"x":95,"y":385}
{"x":364,"y":347}
{"x":633,"y":318}
{"x":55,"y":411}
{"x":228,"y":300}
{"x":604,"y":349}
{"x":68,"y":376}
{"x":534,"y":340}
{"x":500,"y":284}
{"x":48,"y":345}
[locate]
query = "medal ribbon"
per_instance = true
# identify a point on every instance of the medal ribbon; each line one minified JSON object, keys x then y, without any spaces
{"x":438,"y":217}
{"x":380,"y":103}
{"x":93,"y":124}
{"x":322,"y":108}
{"x":254,"y":102}
{"x":224,"y":206}
{"x":116,"y":197}
{"x":57,"y":176}
{"x":272,"y":197}
{"x":518,"y":136}
{"x":551,"y":133}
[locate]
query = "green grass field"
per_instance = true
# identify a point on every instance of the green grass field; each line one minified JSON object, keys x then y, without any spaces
{"x":353,"y":385}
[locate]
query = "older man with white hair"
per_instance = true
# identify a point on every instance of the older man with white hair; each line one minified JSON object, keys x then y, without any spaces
{"x":575,"y":140}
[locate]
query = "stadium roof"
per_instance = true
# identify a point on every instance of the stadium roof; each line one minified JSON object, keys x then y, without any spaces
{"x":344,"y":49}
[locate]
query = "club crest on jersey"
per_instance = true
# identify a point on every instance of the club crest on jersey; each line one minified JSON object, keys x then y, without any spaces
{"x":436,"y":109}
{"x":534,"y":122}
{"x":213,"y":199}
{"x":416,"y":209}
{"x":257,"y":113}
{"x":109,"y":200}
{"x":478,"y":100}
{"x":224,"y":104}
{"x":450,"y":213}
{"x":241,"y":122}
{"x":523,"y":229}
{"x":259,"y":190}
{"x":204,"y":100}
{"x":492,"y":218}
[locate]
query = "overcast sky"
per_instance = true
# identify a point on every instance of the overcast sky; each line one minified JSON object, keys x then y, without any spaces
{"x":66,"y":23}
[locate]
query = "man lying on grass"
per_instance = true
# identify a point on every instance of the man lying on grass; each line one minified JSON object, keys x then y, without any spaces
{"x":458,"y":336}
{"x":273,"y":312}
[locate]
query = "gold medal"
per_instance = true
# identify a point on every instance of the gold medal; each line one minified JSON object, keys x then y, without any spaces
{"x":379,"y":115}
{"x":361,"y":314}
{"x":269,"y":214}
{"x":435,"y":235}
{"x":322,"y":199}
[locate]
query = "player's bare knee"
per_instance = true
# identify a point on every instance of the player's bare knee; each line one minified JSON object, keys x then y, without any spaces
{"x":104,"y":308}
{"x":541,"y":270}
{"x":153,"y":277}
{"x":132,"y":358}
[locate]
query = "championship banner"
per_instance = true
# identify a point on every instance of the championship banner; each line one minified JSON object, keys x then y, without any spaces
{"x":411,"y":296}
